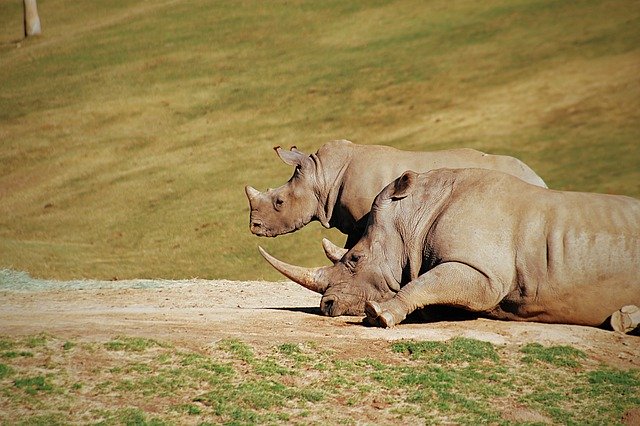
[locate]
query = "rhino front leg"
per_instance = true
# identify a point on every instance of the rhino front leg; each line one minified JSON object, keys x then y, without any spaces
{"x":451,"y":283}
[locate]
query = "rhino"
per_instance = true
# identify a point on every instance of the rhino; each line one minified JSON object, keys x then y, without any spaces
{"x":486,"y":242}
{"x":338,"y":183}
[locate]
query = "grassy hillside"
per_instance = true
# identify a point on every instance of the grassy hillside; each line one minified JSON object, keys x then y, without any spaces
{"x":129,"y":129}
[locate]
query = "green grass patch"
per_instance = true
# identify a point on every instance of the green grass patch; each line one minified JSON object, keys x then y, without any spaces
{"x":36,"y":341}
{"x":131,"y":416}
{"x":43,"y":420}
{"x":68,"y":345}
{"x":33,"y":385}
{"x":238,"y":349}
{"x":5,"y":371}
{"x":5,"y":344}
{"x":615,"y":378}
{"x":462,"y":381}
{"x":457,"y":350}
{"x":206,"y":363}
{"x":290,"y":349}
{"x":189,"y":409}
{"x":15,"y":354}
{"x":560,"y":356}
{"x":131,"y":344}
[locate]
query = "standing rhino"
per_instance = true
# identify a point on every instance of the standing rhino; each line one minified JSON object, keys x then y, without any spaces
{"x":337,"y":185}
{"x":487,"y":242}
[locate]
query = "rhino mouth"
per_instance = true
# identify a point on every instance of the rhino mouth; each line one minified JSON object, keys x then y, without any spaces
{"x":331,"y":306}
{"x":328,"y":306}
{"x":343,"y":299}
{"x":259,"y":229}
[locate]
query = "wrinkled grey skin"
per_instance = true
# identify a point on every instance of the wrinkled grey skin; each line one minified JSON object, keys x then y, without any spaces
{"x":490,"y":243}
{"x":337,"y":185}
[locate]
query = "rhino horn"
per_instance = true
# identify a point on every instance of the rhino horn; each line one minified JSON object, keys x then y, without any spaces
{"x":333,"y":252}
{"x":306,"y":277}
{"x":251,"y":192}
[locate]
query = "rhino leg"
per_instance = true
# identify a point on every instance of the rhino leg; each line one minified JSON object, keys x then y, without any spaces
{"x":626,"y":319}
{"x":451,"y":283}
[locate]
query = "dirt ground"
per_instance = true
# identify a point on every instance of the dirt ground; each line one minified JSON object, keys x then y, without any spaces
{"x":200,"y":312}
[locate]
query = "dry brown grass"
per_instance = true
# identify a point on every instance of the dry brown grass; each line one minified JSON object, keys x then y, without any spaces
{"x":129,"y":129}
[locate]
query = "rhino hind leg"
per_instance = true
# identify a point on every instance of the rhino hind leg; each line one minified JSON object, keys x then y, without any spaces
{"x":626,"y":319}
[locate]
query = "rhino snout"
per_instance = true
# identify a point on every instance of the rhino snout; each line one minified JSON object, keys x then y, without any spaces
{"x":258,"y":228}
{"x":329,"y":306}
{"x":332,"y":306}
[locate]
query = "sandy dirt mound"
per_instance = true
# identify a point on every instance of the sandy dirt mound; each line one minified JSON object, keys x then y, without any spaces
{"x":197,"y":312}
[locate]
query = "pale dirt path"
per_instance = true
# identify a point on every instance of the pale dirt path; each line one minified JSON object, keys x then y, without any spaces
{"x":200,"y":312}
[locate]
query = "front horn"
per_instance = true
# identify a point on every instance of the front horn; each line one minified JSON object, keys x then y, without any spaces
{"x":332,"y":251}
{"x":306,"y":277}
{"x":251,"y":192}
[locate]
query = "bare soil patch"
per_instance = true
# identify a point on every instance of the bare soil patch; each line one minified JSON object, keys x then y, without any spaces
{"x":200,"y":312}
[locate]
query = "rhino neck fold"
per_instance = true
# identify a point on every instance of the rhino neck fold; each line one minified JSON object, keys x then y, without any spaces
{"x":330,"y":181}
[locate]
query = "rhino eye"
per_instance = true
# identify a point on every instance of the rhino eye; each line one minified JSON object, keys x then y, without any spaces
{"x":278,"y":203}
{"x":353,"y":260}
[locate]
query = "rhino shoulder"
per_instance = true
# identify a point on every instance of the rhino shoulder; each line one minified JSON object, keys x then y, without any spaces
{"x":335,"y":147}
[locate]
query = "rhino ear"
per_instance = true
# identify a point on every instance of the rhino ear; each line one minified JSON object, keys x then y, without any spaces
{"x":292,"y":158}
{"x":402,"y":186}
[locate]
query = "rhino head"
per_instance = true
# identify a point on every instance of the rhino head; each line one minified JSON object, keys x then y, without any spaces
{"x":388,"y":255}
{"x":291,"y":206}
{"x":345,"y":287}
{"x":374,"y":268}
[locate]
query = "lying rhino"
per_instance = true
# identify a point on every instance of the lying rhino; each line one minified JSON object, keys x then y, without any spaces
{"x":337,"y":185}
{"x":486,"y":242}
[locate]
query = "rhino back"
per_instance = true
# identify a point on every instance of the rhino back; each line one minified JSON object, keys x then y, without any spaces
{"x":557,"y":256}
{"x":591,"y":256}
{"x":372,"y":167}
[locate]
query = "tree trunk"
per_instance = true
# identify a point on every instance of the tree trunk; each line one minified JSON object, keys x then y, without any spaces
{"x":31,"y":19}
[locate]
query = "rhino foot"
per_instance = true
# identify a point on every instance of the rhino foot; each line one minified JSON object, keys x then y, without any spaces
{"x":372,"y":309}
{"x":377,"y":316}
{"x":386,"y":320}
{"x":626,"y":319}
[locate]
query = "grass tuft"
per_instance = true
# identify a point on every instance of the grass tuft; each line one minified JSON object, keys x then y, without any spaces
{"x":459,"y":349}
{"x":5,"y":344}
{"x":37,"y":341}
{"x":238,"y":349}
{"x":615,"y":378}
{"x":560,"y":356}
{"x":5,"y":371}
{"x":68,"y":345}
{"x":33,"y":385}
{"x":131,"y":344}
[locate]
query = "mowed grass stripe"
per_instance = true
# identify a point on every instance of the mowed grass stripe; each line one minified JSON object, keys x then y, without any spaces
{"x":132,"y":128}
